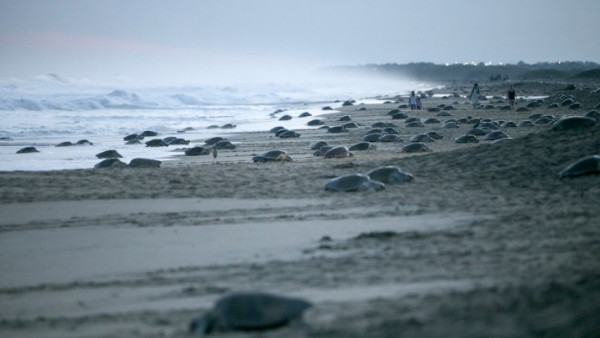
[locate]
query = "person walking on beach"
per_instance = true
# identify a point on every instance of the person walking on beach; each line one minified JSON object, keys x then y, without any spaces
{"x":412,"y":101}
{"x":511,"y":97}
{"x":475,"y":94}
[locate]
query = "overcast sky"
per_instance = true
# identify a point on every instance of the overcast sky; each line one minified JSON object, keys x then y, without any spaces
{"x":194,"y":41}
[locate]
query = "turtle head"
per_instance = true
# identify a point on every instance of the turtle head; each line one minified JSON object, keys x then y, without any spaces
{"x":203,"y":325}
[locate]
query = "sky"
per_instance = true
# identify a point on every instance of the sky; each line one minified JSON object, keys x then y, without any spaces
{"x":190,"y":42}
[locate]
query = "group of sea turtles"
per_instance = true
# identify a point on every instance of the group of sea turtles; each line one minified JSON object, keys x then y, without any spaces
{"x":372,"y":180}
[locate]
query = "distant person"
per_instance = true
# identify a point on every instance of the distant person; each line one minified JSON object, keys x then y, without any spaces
{"x":419,"y":104}
{"x":412,"y":101}
{"x":475,"y":95}
{"x":512,"y":95}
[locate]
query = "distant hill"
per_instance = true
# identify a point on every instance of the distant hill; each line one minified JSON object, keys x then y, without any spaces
{"x":589,"y":74}
{"x":477,"y":72}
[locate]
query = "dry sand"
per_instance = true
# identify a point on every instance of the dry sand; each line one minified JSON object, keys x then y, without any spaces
{"x":487,"y":241}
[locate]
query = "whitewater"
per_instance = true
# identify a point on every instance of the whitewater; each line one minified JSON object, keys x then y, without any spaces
{"x":49,"y":110}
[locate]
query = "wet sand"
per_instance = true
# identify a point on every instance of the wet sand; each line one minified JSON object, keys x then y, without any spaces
{"x":486,"y":241}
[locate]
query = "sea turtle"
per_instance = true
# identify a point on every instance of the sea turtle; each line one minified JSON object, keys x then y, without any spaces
{"x":390,"y":138}
{"x":249,"y":311}
{"x":143,"y":163}
{"x":272,"y":156}
{"x":156,"y":143}
{"x":84,"y":142}
{"x":362,"y":146}
{"x":434,"y":135}
{"x":177,"y":141}
{"x":133,"y":137}
{"x":389,"y":174}
{"x":285,"y":118}
{"x":576,"y":123}
{"x":584,"y":166}
{"x":399,"y":116}
{"x":337,"y":130}
{"x":421,"y":138}
{"x":323,"y":150}
{"x":133,"y":142}
{"x":109,"y":154}
{"x":65,"y":144}
{"x":318,"y":145}
{"x":276,"y":129}
{"x":353,"y":182}
{"x":525,"y":124}
{"x":509,"y":124}
{"x":315,"y":122}
{"x":338,"y":152}
{"x":416,"y":147}
{"x":450,"y":125}
{"x":383,"y":125}
{"x":281,"y":131}
{"x":110,"y":163}
{"x":228,"y":126}
{"x":196,"y":151}
{"x":468,"y":138}
{"x":213,"y":140}
{"x":479,"y":131}
{"x":390,"y":130}
{"x":27,"y":150}
{"x":305,"y":114}
{"x":351,"y":125}
{"x":431,"y":120}
{"x":345,"y":118}
{"x":495,"y":135}
{"x":224,"y":144}
{"x":148,"y":133}
{"x":593,"y":114}
{"x":289,"y":134}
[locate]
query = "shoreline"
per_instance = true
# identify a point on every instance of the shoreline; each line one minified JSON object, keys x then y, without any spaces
{"x":486,"y":240}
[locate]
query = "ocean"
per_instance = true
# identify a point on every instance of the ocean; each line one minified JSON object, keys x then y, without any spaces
{"x":49,"y":110}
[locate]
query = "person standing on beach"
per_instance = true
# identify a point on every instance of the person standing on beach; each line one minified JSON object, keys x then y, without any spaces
{"x":475,"y":94}
{"x":511,"y":97}
{"x":419,"y":104}
{"x":412,"y":101}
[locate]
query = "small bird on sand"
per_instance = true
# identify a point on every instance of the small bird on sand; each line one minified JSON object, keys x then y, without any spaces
{"x":214,"y":153}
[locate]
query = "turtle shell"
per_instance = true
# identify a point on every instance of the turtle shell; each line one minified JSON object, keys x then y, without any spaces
{"x":416,"y":147}
{"x":495,"y":135}
{"x":109,"y":154}
{"x":338,"y":152}
{"x":390,"y":175}
{"x":467,"y":139}
{"x":361,"y":146}
{"x":573,"y":123}
{"x":353,"y":182}
{"x":144,"y":163}
{"x":322,"y":150}
{"x":318,"y":145}
{"x":272,"y":155}
{"x":584,"y":166}
{"x":250,"y":311}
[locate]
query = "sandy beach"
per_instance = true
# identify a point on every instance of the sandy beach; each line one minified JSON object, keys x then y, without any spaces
{"x":486,"y":241}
